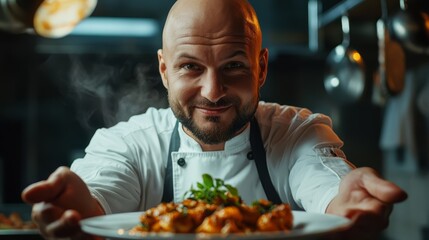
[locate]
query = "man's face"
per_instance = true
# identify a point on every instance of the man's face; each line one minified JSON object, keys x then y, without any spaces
{"x":213,"y":72}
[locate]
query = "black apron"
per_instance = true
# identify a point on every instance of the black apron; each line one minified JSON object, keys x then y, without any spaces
{"x":257,"y":154}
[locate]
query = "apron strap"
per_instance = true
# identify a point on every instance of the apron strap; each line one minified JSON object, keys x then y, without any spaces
{"x":260,"y":161}
{"x":167,"y":195}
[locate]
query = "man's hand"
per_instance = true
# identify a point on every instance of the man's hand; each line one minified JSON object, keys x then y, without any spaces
{"x":60,"y":203}
{"x":367,"y":200}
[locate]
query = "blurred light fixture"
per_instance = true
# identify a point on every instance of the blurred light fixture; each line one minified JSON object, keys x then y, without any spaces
{"x":47,"y":18}
{"x":109,"y":26}
{"x":334,"y":82}
{"x":57,"y":18}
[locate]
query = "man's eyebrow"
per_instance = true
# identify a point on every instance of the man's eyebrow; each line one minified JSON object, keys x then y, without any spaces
{"x":232,"y":55}
{"x":237,"y":53}
{"x":186,"y":55}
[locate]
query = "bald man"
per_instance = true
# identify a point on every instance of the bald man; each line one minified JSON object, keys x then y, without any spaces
{"x":213,"y":66}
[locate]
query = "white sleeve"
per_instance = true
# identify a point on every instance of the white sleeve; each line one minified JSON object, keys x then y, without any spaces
{"x":108,"y":172}
{"x":319,"y":166}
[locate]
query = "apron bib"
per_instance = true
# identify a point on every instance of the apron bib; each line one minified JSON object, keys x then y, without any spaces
{"x":257,"y":155}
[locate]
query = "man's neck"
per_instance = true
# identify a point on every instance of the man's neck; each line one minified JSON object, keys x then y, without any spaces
{"x":211,"y":147}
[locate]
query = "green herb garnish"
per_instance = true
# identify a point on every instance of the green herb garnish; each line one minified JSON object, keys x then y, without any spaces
{"x":214,"y":191}
{"x":263,"y":206}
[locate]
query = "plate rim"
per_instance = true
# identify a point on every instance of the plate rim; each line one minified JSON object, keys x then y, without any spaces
{"x":88,"y":227}
{"x":19,"y":231}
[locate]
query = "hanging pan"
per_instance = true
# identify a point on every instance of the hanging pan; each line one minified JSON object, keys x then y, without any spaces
{"x":391,"y":57}
{"x":411,"y":28}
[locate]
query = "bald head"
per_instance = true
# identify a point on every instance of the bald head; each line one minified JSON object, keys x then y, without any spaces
{"x":211,"y":19}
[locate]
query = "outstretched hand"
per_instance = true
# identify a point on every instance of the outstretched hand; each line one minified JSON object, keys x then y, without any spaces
{"x":366,"y":199}
{"x":59,"y":203}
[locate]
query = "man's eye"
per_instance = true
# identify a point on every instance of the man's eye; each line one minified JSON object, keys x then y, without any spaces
{"x":190,"y":66}
{"x":233,"y":65}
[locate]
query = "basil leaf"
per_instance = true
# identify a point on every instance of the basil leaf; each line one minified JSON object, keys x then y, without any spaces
{"x":208,"y":180}
{"x":232,"y":189}
{"x":200,"y":185}
{"x":219,"y":182}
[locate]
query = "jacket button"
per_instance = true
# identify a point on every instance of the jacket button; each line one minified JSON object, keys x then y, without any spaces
{"x":181,"y":162}
{"x":250,"y":155}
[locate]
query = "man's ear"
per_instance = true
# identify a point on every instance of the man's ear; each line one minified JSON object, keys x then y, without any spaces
{"x":263,"y":66}
{"x":162,"y":68}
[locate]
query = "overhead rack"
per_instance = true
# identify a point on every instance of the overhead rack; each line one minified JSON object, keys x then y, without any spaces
{"x":318,"y":19}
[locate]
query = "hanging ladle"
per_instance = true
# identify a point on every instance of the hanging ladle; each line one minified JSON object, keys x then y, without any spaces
{"x":345,"y":73}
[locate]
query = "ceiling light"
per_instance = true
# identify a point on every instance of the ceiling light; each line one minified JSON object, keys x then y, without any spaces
{"x":109,"y":26}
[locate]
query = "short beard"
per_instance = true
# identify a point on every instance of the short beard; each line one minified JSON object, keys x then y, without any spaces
{"x":216,"y":134}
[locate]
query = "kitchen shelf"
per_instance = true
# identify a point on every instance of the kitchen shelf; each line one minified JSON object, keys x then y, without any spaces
{"x":318,"y":19}
{"x":337,"y":11}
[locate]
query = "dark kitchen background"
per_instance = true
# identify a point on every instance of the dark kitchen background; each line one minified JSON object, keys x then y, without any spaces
{"x":54,"y":93}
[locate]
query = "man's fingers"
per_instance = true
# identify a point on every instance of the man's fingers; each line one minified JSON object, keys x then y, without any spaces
{"x":45,"y":213}
{"x":39,"y":192}
{"x":368,"y":220}
{"x":375,"y":206}
{"x":383,"y":190}
{"x":366,"y":225}
{"x":65,"y":226}
{"x":54,"y":222}
{"x":45,"y":191}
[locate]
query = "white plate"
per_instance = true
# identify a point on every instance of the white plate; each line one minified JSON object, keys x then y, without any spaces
{"x":19,"y":232}
{"x":306,"y":226}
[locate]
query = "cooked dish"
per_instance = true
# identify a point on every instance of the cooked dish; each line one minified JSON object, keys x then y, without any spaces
{"x":14,"y":221}
{"x":215,"y":207}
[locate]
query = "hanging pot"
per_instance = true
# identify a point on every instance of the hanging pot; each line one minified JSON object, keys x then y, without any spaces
{"x":345,"y":72}
{"x":411,"y":28}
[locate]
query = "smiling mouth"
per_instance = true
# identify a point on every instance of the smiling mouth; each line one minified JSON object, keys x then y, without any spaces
{"x":213,"y":110}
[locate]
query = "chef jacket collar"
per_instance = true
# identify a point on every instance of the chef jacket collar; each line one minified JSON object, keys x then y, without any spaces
{"x":234,"y":145}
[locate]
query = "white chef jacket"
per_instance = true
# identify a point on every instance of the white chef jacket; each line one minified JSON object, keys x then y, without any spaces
{"x":124,"y":166}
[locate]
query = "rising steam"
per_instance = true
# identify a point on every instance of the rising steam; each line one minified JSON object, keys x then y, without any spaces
{"x":106,"y":94}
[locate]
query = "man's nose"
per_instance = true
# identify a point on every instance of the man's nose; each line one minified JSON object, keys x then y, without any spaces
{"x":212,"y":87}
